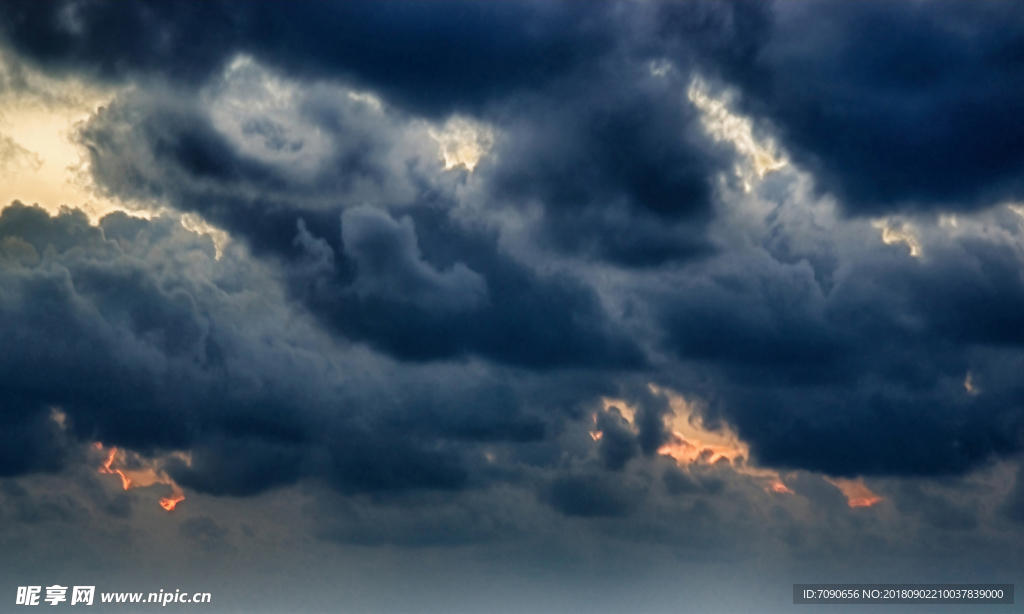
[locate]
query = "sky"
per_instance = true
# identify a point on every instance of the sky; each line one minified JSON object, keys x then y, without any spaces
{"x":510,"y":307}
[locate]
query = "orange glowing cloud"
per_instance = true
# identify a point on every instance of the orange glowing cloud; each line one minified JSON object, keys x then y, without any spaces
{"x":856,"y":493}
{"x":169,"y":503}
{"x":125,"y":481}
{"x":140,"y":472}
{"x":691,"y":442}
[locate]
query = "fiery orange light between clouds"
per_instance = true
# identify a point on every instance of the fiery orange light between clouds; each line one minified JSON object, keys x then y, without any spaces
{"x":148,"y":473}
{"x":108,"y":470}
{"x":856,"y":493}
{"x":691,"y":442}
{"x":169,"y":503}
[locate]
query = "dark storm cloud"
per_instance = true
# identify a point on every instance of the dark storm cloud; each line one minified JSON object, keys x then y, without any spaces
{"x":835,"y":382}
{"x":367,"y":274}
{"x":893,"y":106}
{"x":590,"y":496}
{"x":618,"y":444}
{"x":241,"y":466}
{"x":619,"y":161}
{"x":146,"y":341}
{"x":387,"y":350}
{"x":841,"y":360}
{"x":605,"y":143}
{"x":430,"y":56}
{"x":613,"y":150}
{"x":390,"y":266}
{"x":897,"y":106}
{"x":30,"y":440}
{"x":526,"y":320}
{"x":73,"y":36}
{"x":748,"y":319}
{"x":132,"y":329}
{"x":115,"y":344}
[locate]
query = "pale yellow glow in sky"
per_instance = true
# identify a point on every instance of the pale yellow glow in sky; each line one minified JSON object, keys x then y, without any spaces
{"x":57,"y":180}
{"x":40,"y":161}
{"x":463,"y":142}
{"x":693,"y":439}
{"x":724,"y":125}
{"x":969,"y":385}
{"x":196,"y":224}
{"x":894,"y":232}
{"x":40,"y":119}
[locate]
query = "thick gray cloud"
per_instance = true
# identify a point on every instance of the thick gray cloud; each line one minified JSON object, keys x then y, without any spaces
{"x":814,"y":371}
{"x":145,"y":340}
{"x":455,"y":265}
{"x":389,"y":265}
{"x":344,"y":194}
{"x":448,"y":294}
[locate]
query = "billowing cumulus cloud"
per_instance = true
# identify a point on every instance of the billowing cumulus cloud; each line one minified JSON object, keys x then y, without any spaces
{"x":150,"y":342}
{"x":388,"y":262}
{"x":357,"y":209}
{"x":710,"y":282}
{"x":366,"y":274}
